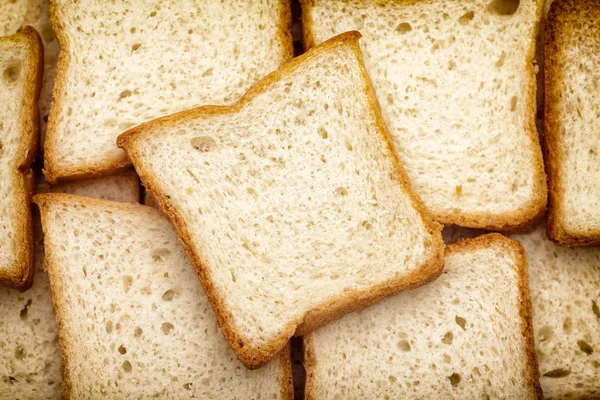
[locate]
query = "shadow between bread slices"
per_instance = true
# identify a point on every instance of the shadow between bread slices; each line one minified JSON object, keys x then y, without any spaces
{"x":292,"y":204}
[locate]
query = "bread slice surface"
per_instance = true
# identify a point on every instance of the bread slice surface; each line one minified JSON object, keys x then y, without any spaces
{"x":12,"y":14}
{"x":291,"y":204}
{"x":133,"y":319}
{"x":564,"y":285}
{"x":467,"y":335}
{"x":456,"y":83}
{"x":571,"y":124}
{"x":29,"y":352}
{"x":21,"y":68}
{"x":128,"y":62}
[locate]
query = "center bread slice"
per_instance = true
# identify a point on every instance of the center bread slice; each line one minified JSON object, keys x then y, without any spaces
{"x":291,"y":204}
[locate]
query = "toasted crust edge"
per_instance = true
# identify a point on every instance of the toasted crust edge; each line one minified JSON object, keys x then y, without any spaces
{"x":529,"y":215}
{"x":20,"y":275}
{"x":54,"y":170}
{"x":556,"y":230}
{"x":333,"y":308}
{"x":524,"y":300}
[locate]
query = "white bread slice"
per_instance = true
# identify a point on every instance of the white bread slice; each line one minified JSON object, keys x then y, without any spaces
{"x":29,"y":355}
{"x":131,"y":61}
{"x":21,"y":67}
{"x":133,"y":320}
{"x":456,"y":83}
{"x":12,"y":13}
{"x":291,"y":204}
{"x":565,"y":294}
{"x":467,"y":335}
{"x":571,"y":121}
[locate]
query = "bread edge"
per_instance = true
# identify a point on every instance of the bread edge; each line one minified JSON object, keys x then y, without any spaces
{"x":525,"y":311}
{"x":255,"y":357}
{"x":529,"y":215}
{"x":54,"y":170}
{"x":20,"y":276}
{"x":285,"y":373}
{"x":556,"y":230}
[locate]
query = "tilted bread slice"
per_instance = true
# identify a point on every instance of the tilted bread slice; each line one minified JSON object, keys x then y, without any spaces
{"x":123,"y":63}
{"x":467,"y":335}
{"x":133,"y":320}
{"x":21,"y":68}
{"x":456,"y":83}
{"x":29,"y":354}
{"x":571,"y":123}
{"x":291,"y":204}
{"x":565,"y":294}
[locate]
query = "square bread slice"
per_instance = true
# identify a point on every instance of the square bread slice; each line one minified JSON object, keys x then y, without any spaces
{"x":133,"y":319}
{"x":21,"y":68}
{"x":291,"y":204}
{"x":456,"y":83}
{"x":571,"y":121}
{"x":29,"y":354}
{"x":565,"y":294}
{"x":467,"y":335}
{"x":127,"y":62}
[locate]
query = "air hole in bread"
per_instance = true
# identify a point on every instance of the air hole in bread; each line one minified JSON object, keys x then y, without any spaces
{"x":504,"y":7}
{"x":596,"y":364}
{"x":323,"y":132}
{"x":461,"y":322}
{"x":403,"y":27}
{"x":546,"y":333}
{"x":127,"y":281}
{"x":109,"y":326}
{"x":127,"y":367}
{"x":124,"y":94}
{"x":19,"y":353}
{"x":568,"y":325}
{"x":341,"y":191}
{"x":187,"y":386}
{"x":448,"y":337}
{"x":136,"y":46}
{"x":23,"y":313}
{"x":208,"y":72}
{"x":146,"y":290}
{"x":166,"y":327}
{"x":392,"y":378}
{"x":168,"y":295}
{"x":11,"y":74}
{"x":122,"y":349}
{"x":558,"y":373}
{"x":137,"y":332}
{"x":349,"y":145}
{"x":500,"y":62}
{"x":454,"y":379}
{"x":513,"y":103}
{"x":595,"y":309}
{"x":160,"y":254}
{"x":404,"y":345}
{"x":465,"y":19}
{"x":451,"y":65}
{"x":132,"y":30}
{"x":585,"y":347}
{"x":153,"y":14}
{"x":203,"y":144}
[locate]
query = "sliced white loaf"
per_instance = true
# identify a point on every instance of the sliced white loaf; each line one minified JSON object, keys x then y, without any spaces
{"x":131,"y":61}
{"x":467,"y":335}
{"x":133,"y":319}
{"x":21,"y":68}
{"x":292,"y":205}
{"x":565,"y":293}
{"x":571,"y":121}
{"x":29,"y":354}
{"x":456,"y":83}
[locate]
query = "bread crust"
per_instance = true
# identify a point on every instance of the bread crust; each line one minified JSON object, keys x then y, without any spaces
{"x":332,"y":308}
{"x":20,"y":275}
{"x":526,"y":218}
{"x":558,"y":20}
{"x":465,"y":246}
{"x":53,"y":168}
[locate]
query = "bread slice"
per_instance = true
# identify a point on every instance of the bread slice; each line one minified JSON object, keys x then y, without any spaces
{"x":132,"y":61}
{"x":133,"y":320}
{"x":565,"y":293}
{"x":12,"y":13}
{"x":294,"y":190}
{"x":29,"y":355}
{"x":456,"y":83}
{"x":21,"y":67}
{"x":466,"y":335}
{"x":571,"y":122}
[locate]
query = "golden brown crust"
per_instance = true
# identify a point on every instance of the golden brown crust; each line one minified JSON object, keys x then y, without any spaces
{"x":333,"y":308}
{"x":529,"y":215}
{"x":285,"y":373}
{"x":564,"y":16}
{"x":465,"y":246}
{"x":53,"y":169}
{"x":20,"y":275}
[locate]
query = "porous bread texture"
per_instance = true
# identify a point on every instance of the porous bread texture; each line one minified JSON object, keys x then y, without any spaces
{"x":133,"y":320}
{"x":12,"y":13}
{"x":21,"y":67}
{"x":293,"y":191}
{"x":466,"y":335}
{"x":29,"y":354}
{"x":456,"y":83}
{"x":571,"y":123}
{"x":132,"y":61}
{"x":565,"y":294}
